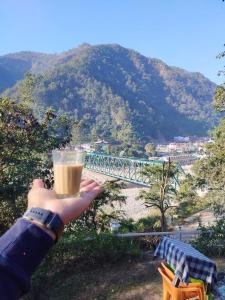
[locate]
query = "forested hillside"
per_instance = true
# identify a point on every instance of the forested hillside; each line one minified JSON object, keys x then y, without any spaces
{"x":118,"y":93}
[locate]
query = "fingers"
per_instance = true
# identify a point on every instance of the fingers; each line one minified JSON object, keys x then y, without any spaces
{"x":38,"y":183}
{"x":89,"y":186}
{"x":85,"y":182}
{"x":94,"y":192}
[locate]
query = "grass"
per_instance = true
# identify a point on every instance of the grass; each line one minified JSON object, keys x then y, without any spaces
{"x":135,"y":279}
{"x":220,"y":263}
{"x":130,"y":279}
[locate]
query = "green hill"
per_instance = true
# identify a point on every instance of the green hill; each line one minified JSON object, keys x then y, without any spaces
{"x":117,"y":92}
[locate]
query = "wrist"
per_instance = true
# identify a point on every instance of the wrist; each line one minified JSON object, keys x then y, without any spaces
{"x":50,"y":222}
{"x":48,"y":231}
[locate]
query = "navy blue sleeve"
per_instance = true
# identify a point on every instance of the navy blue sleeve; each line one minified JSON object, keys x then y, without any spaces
{"x":22,"y":249}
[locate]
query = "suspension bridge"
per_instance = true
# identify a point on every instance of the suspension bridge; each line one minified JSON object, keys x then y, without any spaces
{"x":128,"y":169}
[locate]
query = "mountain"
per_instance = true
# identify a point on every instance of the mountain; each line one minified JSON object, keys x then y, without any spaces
{"x":118,"y":93}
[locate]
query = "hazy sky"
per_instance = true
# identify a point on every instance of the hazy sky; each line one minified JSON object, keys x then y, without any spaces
{"x":184,"y":33}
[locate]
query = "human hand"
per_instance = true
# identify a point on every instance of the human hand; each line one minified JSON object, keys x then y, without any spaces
{"x":69,"y":208}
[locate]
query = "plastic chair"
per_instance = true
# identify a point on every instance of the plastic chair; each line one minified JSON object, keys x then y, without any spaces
{"x":199,"y":284}
{"x":179,"y":293}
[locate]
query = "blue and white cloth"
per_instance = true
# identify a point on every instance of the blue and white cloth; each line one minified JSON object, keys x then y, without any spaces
{"x":188,"y":262}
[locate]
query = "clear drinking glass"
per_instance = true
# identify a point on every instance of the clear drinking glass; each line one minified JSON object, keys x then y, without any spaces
{"x":67,"y":166}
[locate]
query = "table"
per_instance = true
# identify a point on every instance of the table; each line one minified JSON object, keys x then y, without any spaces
{"x":188,"y":262}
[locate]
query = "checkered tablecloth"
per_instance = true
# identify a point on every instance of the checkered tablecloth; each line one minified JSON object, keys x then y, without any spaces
{"x":187,"y":262}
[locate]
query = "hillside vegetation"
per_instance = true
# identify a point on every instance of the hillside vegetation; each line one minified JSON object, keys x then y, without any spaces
{"x":118,"y":93}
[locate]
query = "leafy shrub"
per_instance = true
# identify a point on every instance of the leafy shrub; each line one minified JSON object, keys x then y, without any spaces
{"x":211,"y":240}
{"x":88,"y":248}
{"x":147,"y":224}
{"x":127,"y":225}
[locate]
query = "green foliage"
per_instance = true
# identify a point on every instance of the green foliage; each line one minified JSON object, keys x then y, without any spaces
{"x":216,"y":200}
{"x":210,"y":170}
{"x":162,"y":191}
{"x":26,"y":88}
{"x":129,"y":150}
{"x":102,"y":211}
{"x":147,"y":224}
{"x":211,"y":240}
{"x":220,"y":98}
{"x":107,"y":149}
{"x":150,"y":149}
{"x":76,"y":133}
{"x":8,"y":213}
{"x":188,"y":199}
{"x":118,"y":93}
{"x":127,"y":225}
{"x":24,"y":146}
{"x":87,"y":248}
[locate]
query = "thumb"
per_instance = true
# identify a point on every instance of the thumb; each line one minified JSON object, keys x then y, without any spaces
{"x":37,"y":183}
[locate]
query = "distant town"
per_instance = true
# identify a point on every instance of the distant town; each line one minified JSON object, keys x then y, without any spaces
{"x":184,"y":150}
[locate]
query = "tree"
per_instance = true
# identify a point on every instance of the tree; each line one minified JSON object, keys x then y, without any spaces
{"x":80,"y":133}
{"x":24,"y":146}
{"x":162,"y":190}
{"x":107,"y":149}
{"x":187,"y":197}
{"x":75,"y":133}
{"x":210,"y":170}
{"x":219,"y":99}
{"x":150,"y":149}
{"x":94,"y":135}
{"x":26,"y":88}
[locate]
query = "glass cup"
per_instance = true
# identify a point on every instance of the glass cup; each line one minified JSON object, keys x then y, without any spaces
{"x":67,"y":167}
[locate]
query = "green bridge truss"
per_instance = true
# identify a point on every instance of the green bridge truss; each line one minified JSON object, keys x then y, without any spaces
{"x":128,"y":169}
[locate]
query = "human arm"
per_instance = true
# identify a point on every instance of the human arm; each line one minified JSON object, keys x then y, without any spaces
{"x":25,"y":244}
